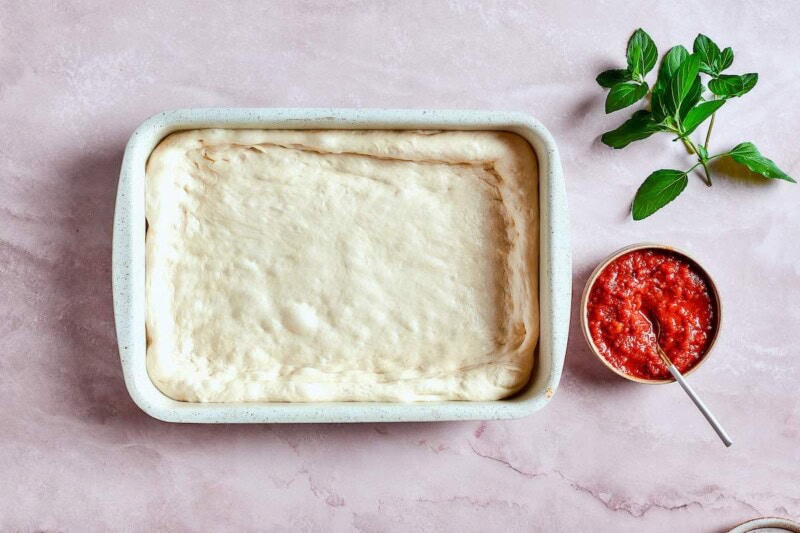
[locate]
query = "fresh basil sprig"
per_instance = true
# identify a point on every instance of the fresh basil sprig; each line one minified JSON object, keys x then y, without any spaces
{"x":679,"y":104}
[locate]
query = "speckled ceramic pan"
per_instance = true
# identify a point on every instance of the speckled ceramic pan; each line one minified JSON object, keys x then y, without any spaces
{"x":555,"y":276}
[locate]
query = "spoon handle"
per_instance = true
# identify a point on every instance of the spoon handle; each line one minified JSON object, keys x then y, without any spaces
{"x":700,"y":405}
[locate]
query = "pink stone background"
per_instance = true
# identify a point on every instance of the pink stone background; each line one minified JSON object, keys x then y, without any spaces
{"x":76,"y":454}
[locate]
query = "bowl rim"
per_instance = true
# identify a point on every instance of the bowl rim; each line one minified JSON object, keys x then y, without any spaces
{"x":584,"y":319}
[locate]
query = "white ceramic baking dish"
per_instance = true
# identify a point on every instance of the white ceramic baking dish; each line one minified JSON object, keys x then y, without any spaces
{"x":128,"y":264}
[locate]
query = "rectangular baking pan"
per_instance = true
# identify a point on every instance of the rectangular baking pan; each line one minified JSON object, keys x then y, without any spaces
{"x":128,"y":265}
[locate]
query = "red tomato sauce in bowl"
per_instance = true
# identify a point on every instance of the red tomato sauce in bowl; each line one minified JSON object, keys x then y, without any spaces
{"x":647,"y":284}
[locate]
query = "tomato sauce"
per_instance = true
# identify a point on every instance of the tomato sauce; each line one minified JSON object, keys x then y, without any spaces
{"x":651,"y":284}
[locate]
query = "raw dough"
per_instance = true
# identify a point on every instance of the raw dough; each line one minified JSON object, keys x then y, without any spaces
{"x":301,"y":266}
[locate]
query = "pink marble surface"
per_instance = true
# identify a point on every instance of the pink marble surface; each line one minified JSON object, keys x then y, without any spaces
{"x":76,"y":453}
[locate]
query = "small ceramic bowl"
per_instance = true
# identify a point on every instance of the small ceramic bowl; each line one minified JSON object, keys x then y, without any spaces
{"x":649,"y":246}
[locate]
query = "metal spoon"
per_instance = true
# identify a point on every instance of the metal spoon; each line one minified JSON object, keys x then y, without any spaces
{"x":685,"y":385}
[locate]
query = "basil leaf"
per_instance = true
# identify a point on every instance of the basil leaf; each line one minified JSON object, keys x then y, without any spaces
{"x":701,"y":150}
{"x":691,"y":98}
{"x":634,"y":57}
{"x":672,"y":60}
{"x":725,"y":59}
{"x":642,"y":54}
{"x":698,"y":114}
{"x":639,"y":126}
{"x":622,"y":95}
{"x":729,"y":86}
{"x":658,"y":106}
{"x":709,"y":54}
{"x":681,"y":83}
{"x":609,"y":78}
{"x":659,"y":189}
{"x":748,"y":155}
